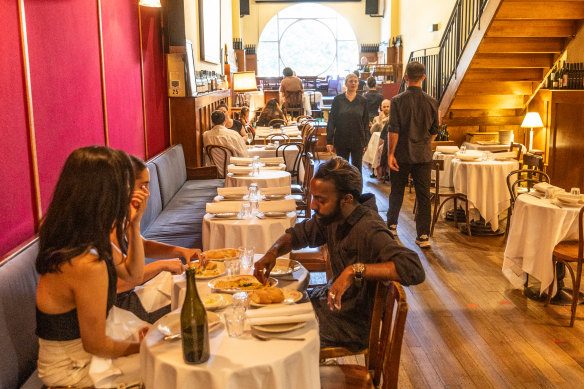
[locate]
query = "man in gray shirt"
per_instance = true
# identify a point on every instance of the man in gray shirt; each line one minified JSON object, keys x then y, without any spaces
{"x":413,"y":124}
{"x":362,"y":251}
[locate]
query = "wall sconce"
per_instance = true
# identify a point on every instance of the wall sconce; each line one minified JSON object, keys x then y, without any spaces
{"x":532,"y":119}
{"x":150,"y":3}
{"x":243,"y":82}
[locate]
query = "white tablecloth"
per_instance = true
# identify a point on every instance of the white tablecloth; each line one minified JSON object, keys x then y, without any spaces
{"x":235,"y":363}
{"x":370,"y":155}
{"x":266,"y":179}
{"x":484,"y":183}
{"x":488,"y":147}
{"x":536,"y":227}
{"x":446,"y":177}
{"x":259,"y":233}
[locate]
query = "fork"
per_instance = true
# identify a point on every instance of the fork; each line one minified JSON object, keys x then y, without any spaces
{"x":266,"y":338}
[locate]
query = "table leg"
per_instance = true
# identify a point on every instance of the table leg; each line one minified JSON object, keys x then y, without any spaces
{"x":563,"y":296}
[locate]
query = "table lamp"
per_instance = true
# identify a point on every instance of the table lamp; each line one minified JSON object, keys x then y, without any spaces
{"x":532,"y":119}
{"x":243,"y":82}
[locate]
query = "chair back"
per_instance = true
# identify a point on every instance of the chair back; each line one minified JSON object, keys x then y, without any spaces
{"x":516,"y":147}
{"x":277,"y":122}
{"x":438,"y":166}
{"x":302,"y":118}
{"x":281,"y":150}
{"x":279,"y":137}
{"x":219,"y":156}
{"x":390,"y":309}
{"x":532,"y":161}
{"x":293,"y":99}
{"x":524,"y":178}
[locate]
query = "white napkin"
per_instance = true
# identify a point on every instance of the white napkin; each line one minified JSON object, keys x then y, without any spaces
{"x":279,"y":167}
{"x":155,"y":293}
{"x":223,"y":206}
{"x":286,"y":314}
{"x":505,"y":155}
{"x":285,"y":190}
{"x":240,"y":160}
{"x":235,"y":190}
{"x":278,"y":206}
{"x":238,"y":169}
{"x":447,"y":149}
{"x":544,"y":186}
{"x":272,"y":160}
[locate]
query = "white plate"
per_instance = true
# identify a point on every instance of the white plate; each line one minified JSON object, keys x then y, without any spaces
{"x":225,"y":215}
{"x":211,"y":274}
{"x":233,"y":197}
{"x":290,"y":297}
{"x":272,"y":214}
{"x":273,"y":163}
{"x":275,"y":197}
{"x":570,"y":204}
{"x":283,"y":267}
{"x":234,"y":289}
{"x":170,"y":324}
{"x":277,"y":328}
{"x":217,"y":300}
{"x":212,"y":255}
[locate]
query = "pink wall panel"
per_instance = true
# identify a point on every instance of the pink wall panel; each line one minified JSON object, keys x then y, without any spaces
{"x":121,"y":47}
{"x":66,"y":86}
{"x":154,"y":82}
{"x":16,"y":196}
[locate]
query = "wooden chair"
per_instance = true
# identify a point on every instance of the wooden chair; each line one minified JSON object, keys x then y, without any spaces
{"x":302,"y":118}
{"x":219,"y":156}
{"x":293,"y":105}
{"x":532,"y":161}
{"x":518,"y":182}
{"x":516,"y":147}
{"x":436,"y":196}
{"x":282,"y":138}
{"x":277,"y":123}
{"x":388,"y":321}
{"x":303,"y":197}
{"x":568,"y":252}
{"x":281,"y":151}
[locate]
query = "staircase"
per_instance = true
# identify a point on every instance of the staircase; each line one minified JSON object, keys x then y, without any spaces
{"x":493,"y":57}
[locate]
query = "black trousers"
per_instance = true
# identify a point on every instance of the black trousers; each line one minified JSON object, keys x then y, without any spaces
{"x":355,"y":151}
{"x":399,"y":180}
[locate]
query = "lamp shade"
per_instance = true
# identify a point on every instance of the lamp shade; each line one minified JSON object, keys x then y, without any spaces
{"x":244,"y":82}
{"x":150,"y":3}
{"x":532,"y":119}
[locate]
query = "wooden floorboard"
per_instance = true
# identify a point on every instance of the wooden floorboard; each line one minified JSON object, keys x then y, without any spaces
{"x":466,"y":327}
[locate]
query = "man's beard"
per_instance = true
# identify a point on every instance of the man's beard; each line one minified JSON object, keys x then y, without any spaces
{"x":328,"y":219}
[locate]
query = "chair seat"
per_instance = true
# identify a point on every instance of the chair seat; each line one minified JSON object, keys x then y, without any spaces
{"x":567,"y":251}
{"x":344,"y":376}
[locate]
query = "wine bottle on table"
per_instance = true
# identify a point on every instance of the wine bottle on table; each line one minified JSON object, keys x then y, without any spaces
{"x":193,"y":324}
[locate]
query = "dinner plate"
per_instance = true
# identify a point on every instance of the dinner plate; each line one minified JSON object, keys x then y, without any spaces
{"x":284,"y":267}
{"x":208,"y":274}
{"x":240,"y":283}
{"x":272,"y":163}
{"x":225,"y":215}
{"x":241,"y":163}
{"x":233,"y":197}
{"x":272,"y":214}
{"x":170,"y":324}
{"x":222,"y":254}
{"x":217,"y":300}
{"x":276,"y":328}
{"x":275,"y":197}
{"x":290,"y":297}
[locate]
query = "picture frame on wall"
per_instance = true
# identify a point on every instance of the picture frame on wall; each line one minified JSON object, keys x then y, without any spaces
{"x":210,"y":30}
{"x":190,"y":68}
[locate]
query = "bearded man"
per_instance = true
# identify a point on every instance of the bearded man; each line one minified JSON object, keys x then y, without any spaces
{"x":362,"y":251}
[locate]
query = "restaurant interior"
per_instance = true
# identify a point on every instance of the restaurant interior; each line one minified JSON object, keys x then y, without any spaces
{"x":144,"y":76}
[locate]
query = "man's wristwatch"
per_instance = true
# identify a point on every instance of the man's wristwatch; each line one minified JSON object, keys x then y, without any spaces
{"x":359,"y":270}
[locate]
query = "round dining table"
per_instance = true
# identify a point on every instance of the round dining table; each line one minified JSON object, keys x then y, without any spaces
{"x":265,"y":179}
{"x":537,"y":226}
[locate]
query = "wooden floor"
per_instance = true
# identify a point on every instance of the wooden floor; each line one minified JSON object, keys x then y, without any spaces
{"x":466,"y":328}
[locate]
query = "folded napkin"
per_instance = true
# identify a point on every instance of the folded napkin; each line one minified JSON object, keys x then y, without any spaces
{"x":447,"y":149}
{"x":286,"y":314}
{"x":469,"y":154}
{"x":285,"y":190}
{"x":279,"y":167}
{"x":291,"y":127}
{"x":278,"y":206}
{"x":223,"y":207}
{"x":235,"y":190}
{"x":238,"y":169}
{"x":544,"y":186}
{"x":240,"y":160}
{"x":155,"y":293}
{"x":505,"y":155}
{"x":272,"y":160}
{"x":263,"y":132}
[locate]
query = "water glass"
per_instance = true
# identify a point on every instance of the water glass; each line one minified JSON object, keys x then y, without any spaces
{"x":463,"y":149}
{"x":575,"y":191}
{"x":232,"y":267}
{"x":234,"y":321}
{"x":277,"y":143}
{"x":246,"y":257}
{"x":245,"y":211}
{"x":252,"y":192}
{"x":241,"y":299}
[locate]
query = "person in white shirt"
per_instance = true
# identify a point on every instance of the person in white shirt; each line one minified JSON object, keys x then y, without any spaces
{"x":380,"y":120}
{"x":222,"y":136}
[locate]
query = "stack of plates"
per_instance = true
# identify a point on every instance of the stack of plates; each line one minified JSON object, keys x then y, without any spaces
{"x":570,"y":200}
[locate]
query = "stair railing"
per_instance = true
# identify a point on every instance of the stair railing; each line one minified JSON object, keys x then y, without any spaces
{"x":441,"y":61}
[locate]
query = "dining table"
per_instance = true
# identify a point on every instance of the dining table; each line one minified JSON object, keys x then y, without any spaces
{"x":537,"y":226}
{"x":265,"y":179}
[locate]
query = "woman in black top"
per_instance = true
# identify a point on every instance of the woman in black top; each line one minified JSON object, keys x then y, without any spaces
{"x":231,"y":124}
{"x":348,"y":124}
{"x":374,"y":98}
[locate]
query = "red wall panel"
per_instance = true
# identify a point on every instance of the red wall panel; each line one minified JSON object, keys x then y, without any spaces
{"x":16,"y":196}
{"x":66,"y":86}
{"x":155,"y":89}
{"x":121,"y":47}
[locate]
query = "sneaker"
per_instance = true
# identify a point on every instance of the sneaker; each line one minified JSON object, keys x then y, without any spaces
{"x":393,"y":229}
{"x":423,"y":241}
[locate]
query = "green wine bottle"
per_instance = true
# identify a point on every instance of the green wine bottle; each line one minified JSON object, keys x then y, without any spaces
{"x":193,"y":324}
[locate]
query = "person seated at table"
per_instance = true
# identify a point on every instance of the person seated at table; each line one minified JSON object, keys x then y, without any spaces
{"x":373,"y":97}
{"x":291,"y":88}
{"x":271,"y":111}
{"x":231,"y":124}
{"x":220,"y":135}
{"x":362,"y":251}
{"x":168,"y":256}
{"x":381,"y":120}
{"x":78,"y":270}
{"x":362,"y":83}
{"x":244,"y":117}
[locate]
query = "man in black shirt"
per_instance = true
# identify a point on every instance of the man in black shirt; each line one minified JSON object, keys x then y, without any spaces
{"x":413,"y":124}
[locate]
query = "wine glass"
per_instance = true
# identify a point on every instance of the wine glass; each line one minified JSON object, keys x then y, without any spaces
{"x":249,"y":137}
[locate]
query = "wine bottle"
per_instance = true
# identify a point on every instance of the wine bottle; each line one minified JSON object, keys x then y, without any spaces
{"x":555,"y":78}
{"x":193,"y":324}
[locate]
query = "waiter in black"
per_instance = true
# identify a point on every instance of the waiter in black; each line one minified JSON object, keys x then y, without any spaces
{"x":413,"y":124}
{"x":348,"y":124}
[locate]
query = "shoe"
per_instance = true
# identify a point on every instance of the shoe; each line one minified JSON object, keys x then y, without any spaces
{"x":423,"y":241}
{"x":393,"y":230}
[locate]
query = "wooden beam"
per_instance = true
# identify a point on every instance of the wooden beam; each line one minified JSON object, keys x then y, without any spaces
{"x":540,"y":10}
{"x":522,"y":45}
{"x":490,"y":101}
{"x":532,"y":28}
{"x":508,"y":60}
{"x":497,"y":88}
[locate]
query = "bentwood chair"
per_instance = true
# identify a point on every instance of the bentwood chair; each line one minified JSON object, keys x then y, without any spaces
{"x":282,"y":138}
{"x":277,"y":122}
{"x":518,"y":147}
{"x":568,"y":252}
{"x":382,"y":357}
{"x":281,"y":151}
{"x":293,"y":105}
{"x":219,"y":156}
{"x":532,"y":161}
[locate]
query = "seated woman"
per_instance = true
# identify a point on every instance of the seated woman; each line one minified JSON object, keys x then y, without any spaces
{"x":271,"y":111}
{"x":127,"y":298}
{"x":78,"y":272}
{"x":231,"y":124}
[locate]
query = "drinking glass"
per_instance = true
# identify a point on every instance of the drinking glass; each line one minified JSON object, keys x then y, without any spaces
{"x":234,"y":321}
{"x":575,"y":191}
{"x":246,"y":257}
{"x":232,"y":267}
{"x":462,"y":149}
{"x":245,"y":211}
{"x":241,"y":299}
{"x":249,"y":137}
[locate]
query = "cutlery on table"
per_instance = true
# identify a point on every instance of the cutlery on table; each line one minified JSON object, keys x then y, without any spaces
{"x":265,"y":338}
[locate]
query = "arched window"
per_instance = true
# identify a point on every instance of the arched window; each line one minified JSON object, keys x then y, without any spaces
{"x":311,"y":39}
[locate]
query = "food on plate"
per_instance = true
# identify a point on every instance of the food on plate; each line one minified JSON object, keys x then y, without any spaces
{"x":210,"y":270}
{"x":244,"y":282}
{"x":267,"y":296}
{"x":218,"y":254}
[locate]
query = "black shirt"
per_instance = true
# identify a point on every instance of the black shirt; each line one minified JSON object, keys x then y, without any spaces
{"x":348,"y":122}
{"x":236,"y":126}
{"x":374,"y":100}
{"x":414,"y":116}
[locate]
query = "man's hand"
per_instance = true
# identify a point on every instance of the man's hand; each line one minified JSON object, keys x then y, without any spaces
{"x":392,"y":162}
{"x":339,"y":287}
{"x":329,"y":148}
{"x":264,"y":266}
{"x":193,"y":254}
